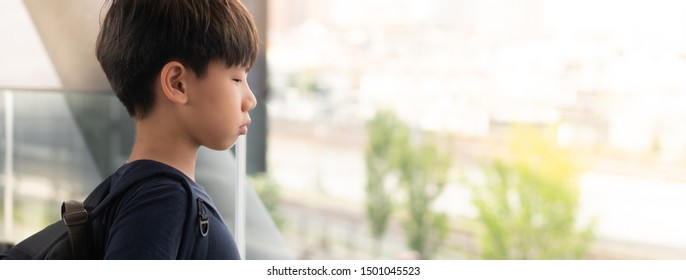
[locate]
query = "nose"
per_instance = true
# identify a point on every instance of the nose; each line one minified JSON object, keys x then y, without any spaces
{"x":250,"y":101}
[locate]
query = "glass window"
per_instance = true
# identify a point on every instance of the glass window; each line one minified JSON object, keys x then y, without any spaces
{"x":478,"y":129}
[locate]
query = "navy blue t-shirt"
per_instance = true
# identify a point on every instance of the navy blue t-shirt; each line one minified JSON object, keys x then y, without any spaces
{"x":148,"y":221}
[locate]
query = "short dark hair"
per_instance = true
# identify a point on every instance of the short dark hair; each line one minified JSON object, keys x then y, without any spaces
{"x":138,"y":37}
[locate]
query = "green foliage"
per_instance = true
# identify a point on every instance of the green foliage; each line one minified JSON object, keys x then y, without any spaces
{"x":384,"y":133}
{"x":528,"y":204}
{"x":421,"y":168}
{"x":424,"y":170}
{"x":268,"y":191}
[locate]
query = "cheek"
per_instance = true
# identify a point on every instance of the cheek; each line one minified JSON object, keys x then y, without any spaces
{"x":222,"y":101}
{"x":231,"y":105}
{"x":226,"y":112}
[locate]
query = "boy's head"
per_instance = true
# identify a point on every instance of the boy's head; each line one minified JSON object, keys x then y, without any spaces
{"x":138,"y":37}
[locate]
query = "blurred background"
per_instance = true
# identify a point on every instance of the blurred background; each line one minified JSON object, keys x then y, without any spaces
{"x":436,"y":129}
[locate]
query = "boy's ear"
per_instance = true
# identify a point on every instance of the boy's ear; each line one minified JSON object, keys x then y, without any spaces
{"x":173,"y":81}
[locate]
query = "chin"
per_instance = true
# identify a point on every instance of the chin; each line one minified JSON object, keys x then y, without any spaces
{"x":223,"y":145}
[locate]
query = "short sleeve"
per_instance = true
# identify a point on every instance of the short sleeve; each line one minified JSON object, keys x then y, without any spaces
{"x":148,"y":223}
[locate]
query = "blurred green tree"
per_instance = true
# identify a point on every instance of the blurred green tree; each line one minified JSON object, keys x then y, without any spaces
{"x":384,"y":132}
{"x":527,"y":206}
{"x":423,"y":174}
{"x":421,"y":169}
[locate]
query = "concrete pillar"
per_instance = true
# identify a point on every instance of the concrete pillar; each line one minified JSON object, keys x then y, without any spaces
{"x":257,"y":134}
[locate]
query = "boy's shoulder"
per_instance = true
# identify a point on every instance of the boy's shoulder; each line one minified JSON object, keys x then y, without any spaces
{"x":155,"y":199}
{"x":153,"y":175}
{"x":146,"y":169}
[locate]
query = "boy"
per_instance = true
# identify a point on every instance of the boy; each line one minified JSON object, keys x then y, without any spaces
{"x":180,"y":68}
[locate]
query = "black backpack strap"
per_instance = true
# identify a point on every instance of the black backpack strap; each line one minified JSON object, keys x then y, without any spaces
{"x":75,"y":217}
{"x":195,"y":242}
{"x":203,"y":218}
{"x":195,"y":239}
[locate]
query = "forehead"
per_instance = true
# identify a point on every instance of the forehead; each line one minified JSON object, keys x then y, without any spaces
{"x":220,"y":66}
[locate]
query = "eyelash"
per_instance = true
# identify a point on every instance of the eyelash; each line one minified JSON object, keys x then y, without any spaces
{"x":238,"y":80}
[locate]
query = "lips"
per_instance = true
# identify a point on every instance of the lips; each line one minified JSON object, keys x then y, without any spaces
{"x":243,"y":129}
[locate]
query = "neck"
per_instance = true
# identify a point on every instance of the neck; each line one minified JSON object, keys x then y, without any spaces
{"x":163,"y":144}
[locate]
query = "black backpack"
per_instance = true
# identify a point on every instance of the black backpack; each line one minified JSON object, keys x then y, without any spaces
{"x":77,"y":235}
